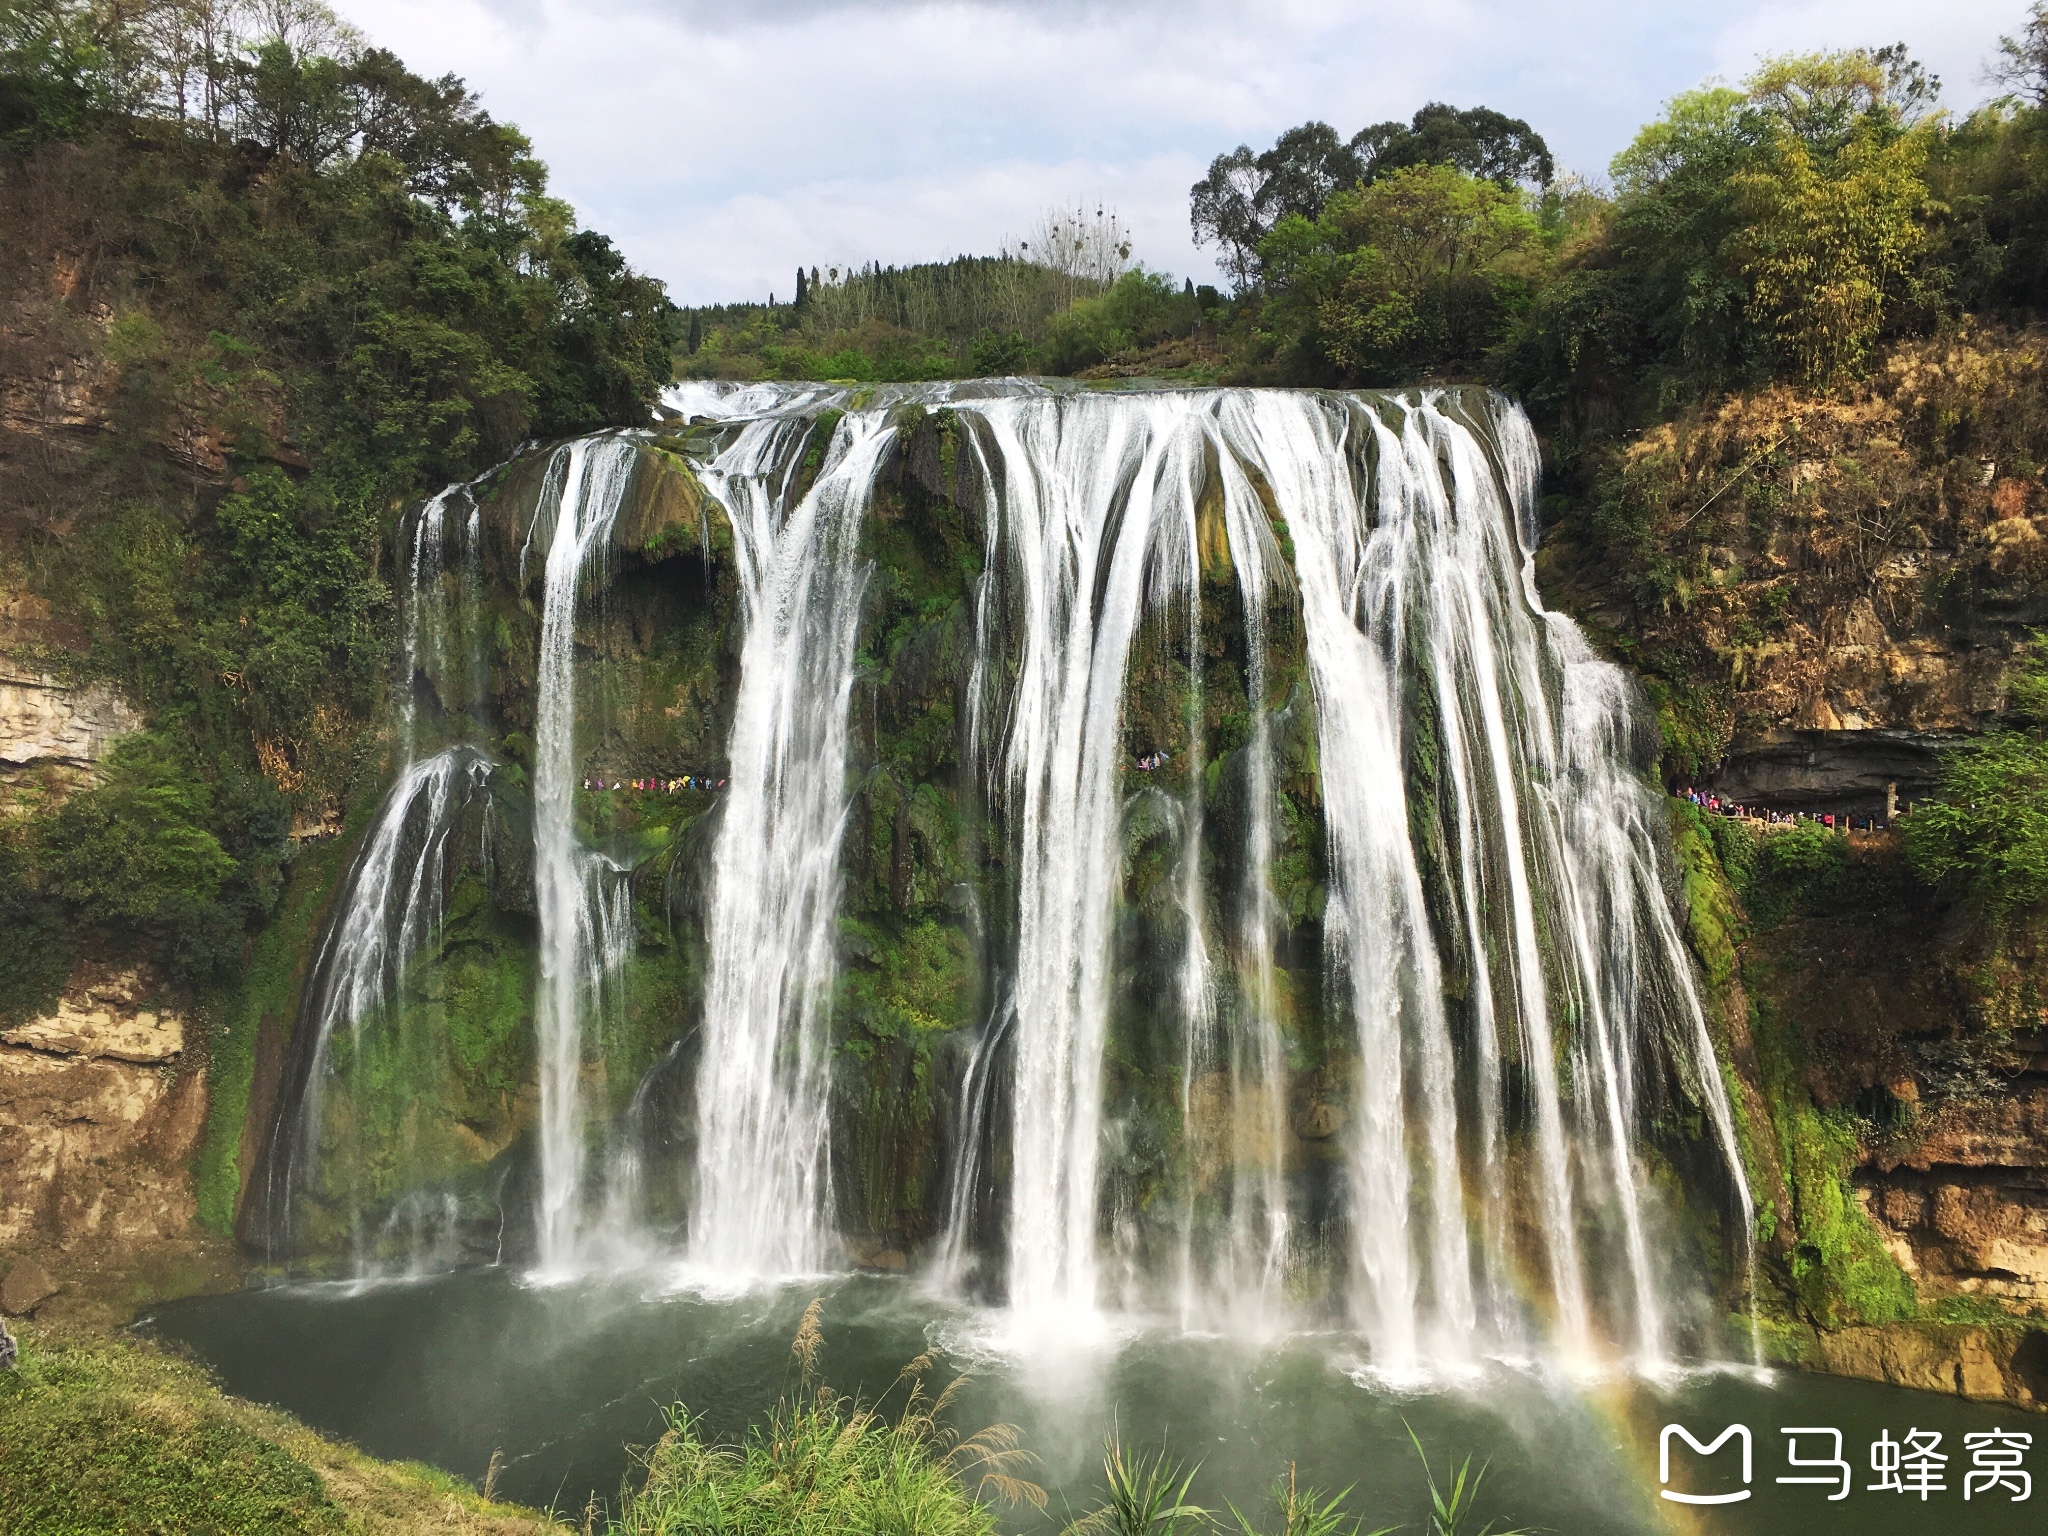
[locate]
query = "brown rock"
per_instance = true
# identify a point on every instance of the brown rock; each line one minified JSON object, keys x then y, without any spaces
{"x":1317,"y":1120}
{"x":105,"y":1014}
{"x":27,"y":1286}
{"x":1983,"y":1363}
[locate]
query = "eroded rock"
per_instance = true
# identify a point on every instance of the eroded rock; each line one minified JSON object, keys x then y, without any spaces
{"x":42,"y":721}
{"x":97,"y":1119}
{"x":27,"y":1286}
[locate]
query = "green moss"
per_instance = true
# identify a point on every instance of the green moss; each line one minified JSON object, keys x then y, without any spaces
{"x":434,"y":1081}
{"x":1715,"y":920}
{"x":1839,"y":1269}
{"x":907,"y":983}
{"x":269,"y":989}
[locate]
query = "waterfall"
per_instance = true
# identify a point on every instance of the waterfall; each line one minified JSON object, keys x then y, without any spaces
{"x":1410,"y":526}
{"x":762,"y":1177}
{"x":1260,"y":1222}
{"x":1366,"y":1007}
{"x":585,"y":917}
{"x":390,"y":906}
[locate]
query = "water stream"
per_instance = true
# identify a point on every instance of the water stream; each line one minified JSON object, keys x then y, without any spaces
{"x":1511,"y":995}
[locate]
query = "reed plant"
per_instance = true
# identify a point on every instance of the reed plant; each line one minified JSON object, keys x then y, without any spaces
{"x":827,"y":1465}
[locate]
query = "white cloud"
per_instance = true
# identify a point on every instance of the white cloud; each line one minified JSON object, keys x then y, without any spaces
{"x":724,"y":143}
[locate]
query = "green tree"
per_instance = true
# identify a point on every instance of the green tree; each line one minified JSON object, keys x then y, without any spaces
{"x":1415,"y":271}
{"x":1835,"y":208}
{"x":1985,"y":840}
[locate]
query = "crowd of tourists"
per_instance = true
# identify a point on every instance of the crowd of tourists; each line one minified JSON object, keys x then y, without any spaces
{"x":1834,"y":821}
{"x":1154,"y":760}
{"x":689,"y":781}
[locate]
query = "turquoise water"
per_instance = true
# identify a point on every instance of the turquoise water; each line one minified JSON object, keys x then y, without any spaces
{"x":560,"y":1381}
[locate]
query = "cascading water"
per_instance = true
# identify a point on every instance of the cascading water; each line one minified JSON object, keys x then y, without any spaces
{"x":1420,"y":627}
{"x":1381,"y":716}
{"x":585,"y":919}
{"x":762,"y":1176}
{"x":389,"y":909}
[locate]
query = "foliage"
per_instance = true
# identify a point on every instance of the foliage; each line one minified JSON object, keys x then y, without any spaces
{"x":36,"y":960}
{"x":1407,"y":275}
{"x":1451,"y":1509}
{"x":330,"y":285}
{"x":1307,"y":1512}
{"x":1139,"y":309}
{"x":1985,"y":839}
{"x":1828,"y":240}
{"x":1142,"y":1496}
{"x":827,"y":1464}
{"x":265,"y":990}
{"x":1245,"y":197}
{"x":876,"y":324}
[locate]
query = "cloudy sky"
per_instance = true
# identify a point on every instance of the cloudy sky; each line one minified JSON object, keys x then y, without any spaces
{"x":722,"y":142}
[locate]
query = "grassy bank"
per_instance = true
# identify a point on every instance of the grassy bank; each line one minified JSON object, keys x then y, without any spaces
{"x":112,"y":1435}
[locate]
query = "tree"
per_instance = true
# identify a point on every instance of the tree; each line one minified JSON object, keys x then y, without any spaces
{"x":1477,"y":140}
{"x":1985,"y":841}
{"x":1245,"y":197}
{"x":1405,"y":274}
{"x":2022,"y":62}
{"x":1223,"y":208}
{"x":1301,"y":170}
{"x":1829,"y":240}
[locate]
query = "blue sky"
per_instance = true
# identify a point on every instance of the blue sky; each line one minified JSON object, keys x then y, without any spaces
{"x":723,"y":143}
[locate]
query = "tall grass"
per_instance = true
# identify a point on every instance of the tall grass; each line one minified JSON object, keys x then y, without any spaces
{"x":826,"y":1465}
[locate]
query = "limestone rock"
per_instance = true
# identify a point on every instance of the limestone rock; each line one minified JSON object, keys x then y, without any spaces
{"x":27,"y":1286}
{"x":96,"y":1125}
{"x":1983,"y":1363}
{"x":43,"y":721}
{"x":105,"y":1015}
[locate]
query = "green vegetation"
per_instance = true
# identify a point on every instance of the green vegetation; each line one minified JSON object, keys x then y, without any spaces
{"x":1742,"y":885}
{"x":1064,"y":301}
{"x":107,"y":1437}
{"x":1790,"y":228}
{"x":827,"y":1464}
{"x":328,"y":285}
{"x":1985,"y":840}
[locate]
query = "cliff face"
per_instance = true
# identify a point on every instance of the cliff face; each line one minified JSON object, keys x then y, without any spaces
{"x":1892,"y":1094}
{"x":1821,"y":595}
{"x":1819,"y":591}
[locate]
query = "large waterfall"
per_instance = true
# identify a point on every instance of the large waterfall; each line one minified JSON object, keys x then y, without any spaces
{"x":761,"y":1091}
{"x":1308,"y":828}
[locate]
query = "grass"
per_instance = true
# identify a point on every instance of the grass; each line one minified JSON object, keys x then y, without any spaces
{"x":111,"y":1436}
{"x":825,"y":1465}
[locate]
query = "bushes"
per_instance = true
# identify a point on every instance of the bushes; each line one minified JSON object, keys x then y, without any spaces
{"x":138,"y":848}
{"x":1140,"y":308}
{"x":1985,"y":841}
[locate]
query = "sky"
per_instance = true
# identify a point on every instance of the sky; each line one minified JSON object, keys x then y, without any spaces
{"x":723,"y":142}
